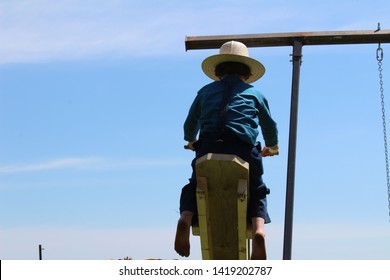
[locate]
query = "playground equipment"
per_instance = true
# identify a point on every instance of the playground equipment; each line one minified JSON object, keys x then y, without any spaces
{"x":296,"y":40}
{"x":222,"y":195}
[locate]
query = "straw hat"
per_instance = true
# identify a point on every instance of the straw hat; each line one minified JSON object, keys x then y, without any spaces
{"x":233,"y":51}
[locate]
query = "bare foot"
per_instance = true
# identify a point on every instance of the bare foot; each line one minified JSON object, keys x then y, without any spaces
{"x":182,"y":239}
{"x":258,"y":242}
{"x":258,"y":251}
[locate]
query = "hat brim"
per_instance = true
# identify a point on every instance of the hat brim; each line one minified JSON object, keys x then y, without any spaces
{"x":209,"y":64}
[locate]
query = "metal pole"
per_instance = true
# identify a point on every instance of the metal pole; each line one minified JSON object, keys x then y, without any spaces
{"x":288,"y":223}
{"x":40,"y":252}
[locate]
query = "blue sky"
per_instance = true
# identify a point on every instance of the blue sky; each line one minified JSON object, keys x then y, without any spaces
{"x":93,"y":95}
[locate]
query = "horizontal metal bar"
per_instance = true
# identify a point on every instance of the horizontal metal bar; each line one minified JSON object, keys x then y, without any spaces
{"x":287,"y":39}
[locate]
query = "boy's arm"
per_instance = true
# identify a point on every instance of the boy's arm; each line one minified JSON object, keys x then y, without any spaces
{"x":269,"y":130}
{"x":191,"y":124}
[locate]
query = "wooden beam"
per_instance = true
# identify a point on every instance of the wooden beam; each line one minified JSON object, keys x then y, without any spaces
{"x":242,"y":206}
{"x":218,"y":177}
{"x":201,"y":200}
{"x":287,"y":39}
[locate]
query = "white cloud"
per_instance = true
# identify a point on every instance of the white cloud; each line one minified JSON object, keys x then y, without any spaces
{"x":44,"y":30}
{"x":74,"y":163}
{"x":41,"y":30}
{"x":88,"y":163}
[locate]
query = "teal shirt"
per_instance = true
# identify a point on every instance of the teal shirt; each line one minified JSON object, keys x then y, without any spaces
{"x":247,"y":110}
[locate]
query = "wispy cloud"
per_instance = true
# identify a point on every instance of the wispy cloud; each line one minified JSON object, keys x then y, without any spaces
{"x":41,"y":30}
{"x":88,"y":163}
{"x":64,"y":163}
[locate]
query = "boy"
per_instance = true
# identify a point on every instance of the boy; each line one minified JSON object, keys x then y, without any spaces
{"x":227,"y":114}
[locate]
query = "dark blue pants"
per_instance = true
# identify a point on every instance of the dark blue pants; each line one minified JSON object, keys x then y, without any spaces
{"x":257,"y":206}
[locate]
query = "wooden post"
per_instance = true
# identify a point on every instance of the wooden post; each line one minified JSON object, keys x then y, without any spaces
{"x":204,"y":231}
{"x":242,"y":202}
{"x":222,"y":182}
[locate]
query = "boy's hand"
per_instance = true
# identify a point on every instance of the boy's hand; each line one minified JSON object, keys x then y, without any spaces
{"x":270,"y":151}
{"x":190,"y":146}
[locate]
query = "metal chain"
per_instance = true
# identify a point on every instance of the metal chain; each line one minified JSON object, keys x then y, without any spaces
{"x":379,"y":57}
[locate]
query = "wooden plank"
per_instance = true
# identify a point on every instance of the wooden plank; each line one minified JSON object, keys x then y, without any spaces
{"x":242,"y":202}
{"x":222,"y":173}
{"x":287,"y":39}
{"x":201,"y":201}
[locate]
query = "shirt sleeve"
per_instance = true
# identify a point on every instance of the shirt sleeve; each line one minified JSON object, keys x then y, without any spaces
{"x":191,"y":124}
{"x":267,"y":124}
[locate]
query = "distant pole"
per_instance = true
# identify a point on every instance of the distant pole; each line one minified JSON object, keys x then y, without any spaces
{"x":292,"y":146}
{"x":40,"y":251}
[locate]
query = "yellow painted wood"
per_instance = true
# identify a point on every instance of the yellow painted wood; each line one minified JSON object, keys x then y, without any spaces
{"x":201,"y":200}
{"x":218,"y":177}
{"x":242,"y":201}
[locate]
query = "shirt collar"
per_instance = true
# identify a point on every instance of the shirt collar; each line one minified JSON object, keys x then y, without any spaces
{"x":232,"y":79}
